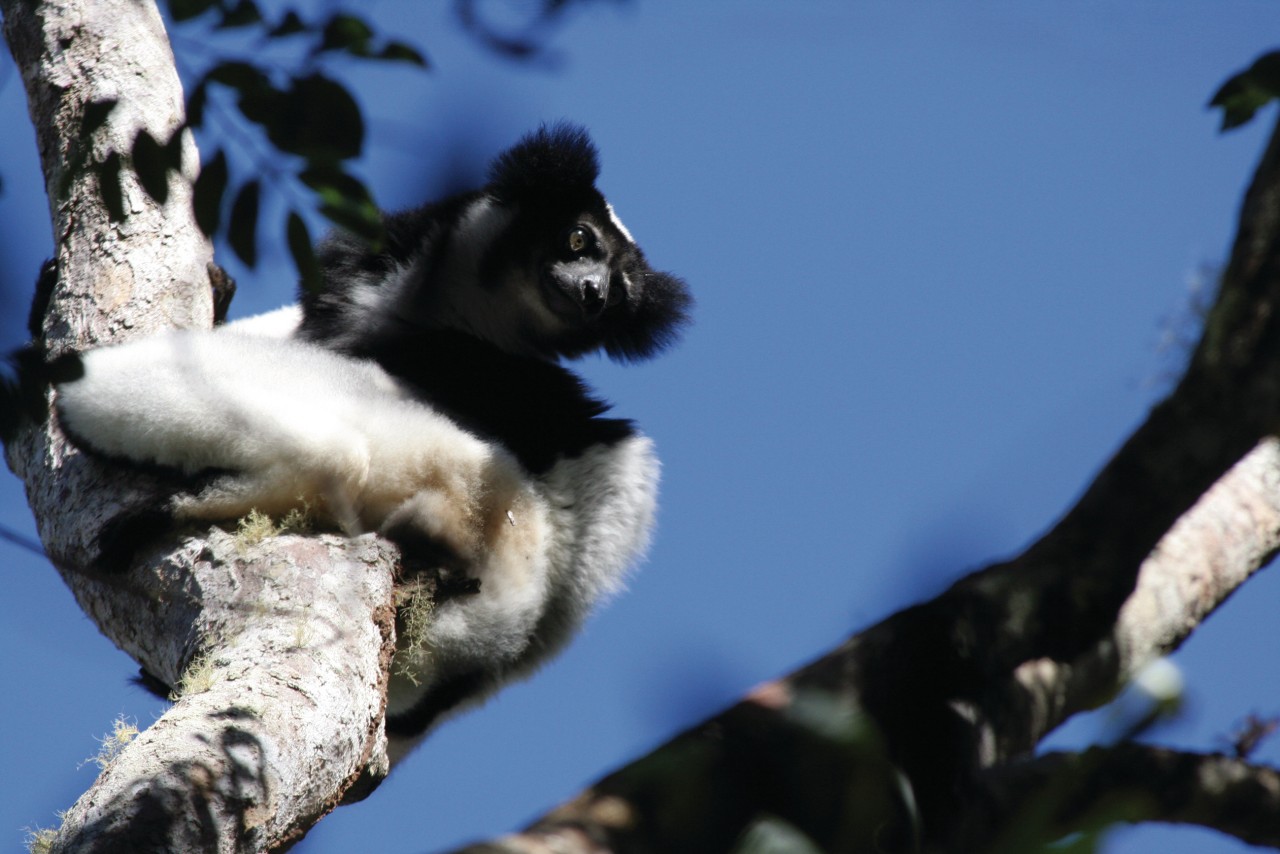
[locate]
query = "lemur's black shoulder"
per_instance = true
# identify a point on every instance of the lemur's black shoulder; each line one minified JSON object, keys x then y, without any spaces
{"x":538,"y":410}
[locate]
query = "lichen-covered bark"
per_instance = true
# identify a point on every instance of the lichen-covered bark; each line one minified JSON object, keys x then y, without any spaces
{"x":904,"y":738}
{"x":286,"y":643}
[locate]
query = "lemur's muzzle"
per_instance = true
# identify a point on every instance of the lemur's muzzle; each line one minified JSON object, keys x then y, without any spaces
{"x":580,"y":287}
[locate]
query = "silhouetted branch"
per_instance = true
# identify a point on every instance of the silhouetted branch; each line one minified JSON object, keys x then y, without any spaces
{"x":946,"y":690}
{"x":1049,"y":796}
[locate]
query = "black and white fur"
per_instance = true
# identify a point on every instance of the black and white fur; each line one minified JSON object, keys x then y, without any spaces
{"x":419,"y":395}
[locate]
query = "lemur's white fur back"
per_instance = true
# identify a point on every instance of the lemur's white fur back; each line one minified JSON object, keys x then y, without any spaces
{"x":464,"y":307}
{"x":296,"y":424}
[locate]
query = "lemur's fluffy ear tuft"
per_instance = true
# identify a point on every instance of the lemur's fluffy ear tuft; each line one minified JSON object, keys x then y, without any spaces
{"x":555,"y":159}
{"x":653,"y":320}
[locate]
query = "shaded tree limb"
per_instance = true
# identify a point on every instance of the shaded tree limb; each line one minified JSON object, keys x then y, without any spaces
{"x":943,"y":691}
{"x":1044,"y":798}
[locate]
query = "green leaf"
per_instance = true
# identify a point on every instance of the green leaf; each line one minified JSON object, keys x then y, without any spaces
{"x":244,"y":13}
{"x":401,"y":52}
{"x":109,"y":186}
{"x":304,"y":256}
{"x":151,"y":165}
{"x":289,"y":25}
{"x":344,"y":200}
{"x":95,"y":115}
{"x":317,"y":118}
{"x":206,"y":197}
{"x":362,"y":220}
{"x":263,"y":107}
{"x":1247,"y":92}
{"x":185,"y":10}
{"x":259,"y":99}
{"x":345,"y":32}
{"x":333,"y":185}
{"x":243,"y":230}
{"x":348,"y":33}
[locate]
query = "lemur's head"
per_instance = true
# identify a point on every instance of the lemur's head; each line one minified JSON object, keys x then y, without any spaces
{"x":567,"y":257}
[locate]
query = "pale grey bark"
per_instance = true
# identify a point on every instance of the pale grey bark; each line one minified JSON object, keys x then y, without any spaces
{"x":293,"y":636}
{"x":285,"y":644}
{"x":1217,"y":546}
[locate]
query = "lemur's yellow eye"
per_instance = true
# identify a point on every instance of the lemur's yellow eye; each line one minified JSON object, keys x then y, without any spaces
{"x":577,"y":239}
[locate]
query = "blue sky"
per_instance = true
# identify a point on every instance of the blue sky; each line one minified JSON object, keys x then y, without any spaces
{"x":938,"y":250}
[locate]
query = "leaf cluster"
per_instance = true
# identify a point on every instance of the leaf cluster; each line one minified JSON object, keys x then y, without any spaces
{"x":303,"y":113}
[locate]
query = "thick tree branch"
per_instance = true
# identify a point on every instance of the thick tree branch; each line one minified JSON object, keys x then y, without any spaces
{"x":285,"y":645}
{"x":976,"y":677}
{"x":114,"y":278}
{"x":941,"y":692}
{"x":277,"y":639}
{"x":1232,"y":532}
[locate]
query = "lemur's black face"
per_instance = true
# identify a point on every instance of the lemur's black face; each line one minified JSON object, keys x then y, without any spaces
{"x":569,"y":279}
{"x":562,"y":271}
{"x":576,"y":277}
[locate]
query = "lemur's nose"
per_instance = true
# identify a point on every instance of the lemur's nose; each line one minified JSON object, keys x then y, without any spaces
{"x":592,"y":294}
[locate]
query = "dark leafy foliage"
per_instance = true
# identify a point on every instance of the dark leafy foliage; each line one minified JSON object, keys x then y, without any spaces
{"x":290,"y":24}
{"x":243,"y":233}
{"x":304,"y":256}
{"x":1248,"y":91}
{"x":350,"y":34}
{"x":185,"y":10}
{"x":242,"y":14}
{"x":304,"y":114}
{"x":317,"y":118}
{"x":344,"y":200}
{"x":209,"y":189}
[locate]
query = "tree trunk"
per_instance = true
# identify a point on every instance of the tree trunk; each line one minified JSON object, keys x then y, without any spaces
{"x":281,"y":648}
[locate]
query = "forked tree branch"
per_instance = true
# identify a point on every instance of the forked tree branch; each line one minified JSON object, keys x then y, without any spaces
{"x":972,"y":680}
{"x":880,"y":745}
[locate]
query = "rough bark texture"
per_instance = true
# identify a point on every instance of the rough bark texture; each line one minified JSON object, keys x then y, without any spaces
{"x":114,"y":278}
{"x":284,"y":644}
{"x":914,"y":734}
